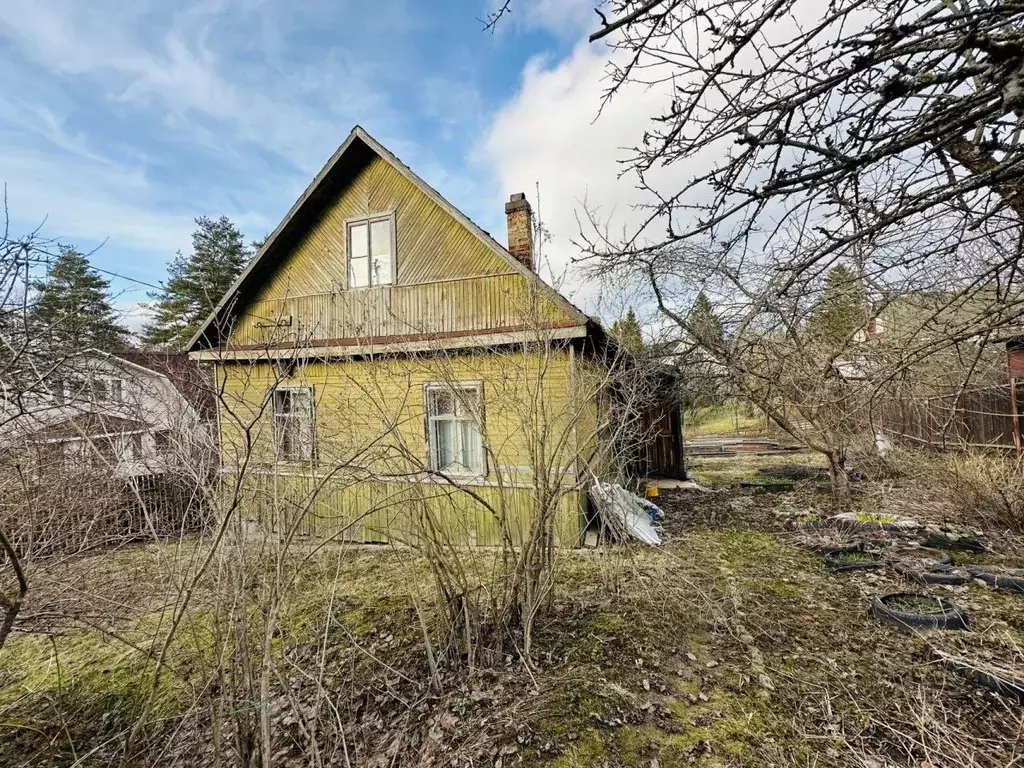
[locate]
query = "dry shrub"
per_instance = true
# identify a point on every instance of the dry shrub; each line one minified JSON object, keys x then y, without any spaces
{"x":67,"y":511}
{"x":896,"y":462}
{"x":987,"y":488}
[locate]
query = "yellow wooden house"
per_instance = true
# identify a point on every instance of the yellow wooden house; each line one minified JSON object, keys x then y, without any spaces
{"x":386,"y":370}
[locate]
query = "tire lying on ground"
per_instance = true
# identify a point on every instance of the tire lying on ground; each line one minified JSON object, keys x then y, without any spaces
{"x":1010,"y":579}
{"x":943,"y":540}
{"x":937,"y":574}
{"x":936,"y":556}
{"x":852,"y":559}
{"x":986,"y":675}
{"x":911,"y":611}
{"x":768,"y":487}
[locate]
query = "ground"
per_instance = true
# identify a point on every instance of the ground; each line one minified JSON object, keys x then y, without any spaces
{"x":731,"y":419}
{"x":730,"y":645}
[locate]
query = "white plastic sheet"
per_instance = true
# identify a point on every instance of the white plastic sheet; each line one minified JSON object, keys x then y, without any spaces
{"x":625,"y":514}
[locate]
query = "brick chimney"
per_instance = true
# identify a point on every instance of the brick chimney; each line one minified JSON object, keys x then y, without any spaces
{"x":520,"y":228}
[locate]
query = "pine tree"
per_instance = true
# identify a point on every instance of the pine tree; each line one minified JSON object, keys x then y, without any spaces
{"x":702,"y":374}
{"x":840,"y":312}
{"x":704,"y":323}
{"x":626,"y":331}
{"x":72,"y":310}
{"x":196,"y":282}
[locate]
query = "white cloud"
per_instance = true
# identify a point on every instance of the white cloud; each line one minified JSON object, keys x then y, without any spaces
{"x":109,"y":201}
{"x":562,"y":18}
{"x":550,"y":132}
{"x":189,"y":71}
{"x":133,"y":315}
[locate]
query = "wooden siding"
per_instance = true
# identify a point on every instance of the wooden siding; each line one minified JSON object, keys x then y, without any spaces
{"x":384,"y":512}
{"x":430,"y":310}
{"x":448,"y":280}
{"x":372,"y":443}
{"x":431,"y":244}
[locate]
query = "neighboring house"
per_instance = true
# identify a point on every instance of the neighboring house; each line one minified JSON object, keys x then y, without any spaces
{"x":128,"y":415}
{"x":386,"y":365}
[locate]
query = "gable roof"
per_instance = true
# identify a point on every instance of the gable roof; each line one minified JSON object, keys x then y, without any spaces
{"x":186,"y":375}
{"x":258,"y":265}
{"x":191,"y":381}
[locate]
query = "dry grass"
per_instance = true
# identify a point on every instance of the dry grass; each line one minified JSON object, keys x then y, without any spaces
{"x":989,"y":488}
{"x":728,"y":420}
{"x":974,"y":488}
{"x":648,"y":654}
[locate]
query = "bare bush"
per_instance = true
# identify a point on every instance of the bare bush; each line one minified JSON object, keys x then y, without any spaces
{"x":986,"y":488}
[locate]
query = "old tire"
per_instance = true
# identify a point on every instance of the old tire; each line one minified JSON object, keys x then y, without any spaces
{"x":940,"y":540}
{"x":1010,"y":579}
{"x":767,"y":487}
{"x":985,"y":675}
{"x":848,"y":521}
{"x":834,"y":559}
{"x":941,"y":574}
{"x":947,"y":616}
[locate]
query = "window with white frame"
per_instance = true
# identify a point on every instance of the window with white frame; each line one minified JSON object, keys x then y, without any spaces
{"x":453,"y":426}
{"x":96,"y":389}
{"x":371,"y":252}
{"x":294,"y":434}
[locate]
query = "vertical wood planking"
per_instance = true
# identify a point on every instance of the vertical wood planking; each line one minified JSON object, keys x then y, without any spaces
{"x":474,"y":304}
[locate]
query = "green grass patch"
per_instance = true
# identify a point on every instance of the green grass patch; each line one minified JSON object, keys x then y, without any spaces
{"x":875,"y":518}
{"x":725,"y":471}
{"x":730,"y":419}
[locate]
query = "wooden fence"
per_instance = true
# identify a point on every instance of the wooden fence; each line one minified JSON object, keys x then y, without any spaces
{"x":975,"y":418}
{"x":67,"y":513}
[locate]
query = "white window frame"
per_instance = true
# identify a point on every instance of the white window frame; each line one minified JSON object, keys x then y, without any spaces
{"x":456,"y":390}
{"x":280,"y":420}
{"x":392,"y":276}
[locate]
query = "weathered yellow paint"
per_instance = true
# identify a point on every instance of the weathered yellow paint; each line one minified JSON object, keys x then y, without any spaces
{"x":385,"y":512}
{"x":430,"y":243}
{"x":448,"y":280}
{"x":367,"y":484}
{"x":432,"y":310}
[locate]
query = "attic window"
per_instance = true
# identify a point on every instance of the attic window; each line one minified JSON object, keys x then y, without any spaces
{"x":371,"y":251}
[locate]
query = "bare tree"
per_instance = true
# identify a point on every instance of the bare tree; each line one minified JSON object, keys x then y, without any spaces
{"x":24,"y":368}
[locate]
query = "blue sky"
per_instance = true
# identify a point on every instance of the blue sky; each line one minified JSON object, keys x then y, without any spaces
{"x":122,"y":120}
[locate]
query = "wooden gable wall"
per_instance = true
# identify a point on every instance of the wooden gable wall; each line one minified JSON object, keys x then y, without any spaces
{"x":449,"y":281}
{"x":432,"y":245}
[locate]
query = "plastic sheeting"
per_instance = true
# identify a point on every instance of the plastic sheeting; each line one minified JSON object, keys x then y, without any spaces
{"x":625,"y":514}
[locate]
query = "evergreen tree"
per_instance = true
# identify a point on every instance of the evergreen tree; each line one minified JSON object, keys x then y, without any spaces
{"x":196,"y":282}
{"x":840,"y":312}
{"x":702,"y":375}
{"x":626,"y":331}
{"x":72,"y":310}
{"x":704,"y":323}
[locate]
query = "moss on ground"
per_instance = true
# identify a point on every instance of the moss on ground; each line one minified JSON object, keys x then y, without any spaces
{"x":716,"y":733}
{"x":639,"y":659}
